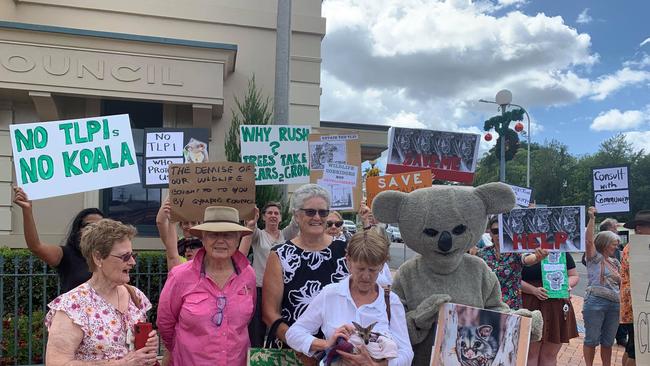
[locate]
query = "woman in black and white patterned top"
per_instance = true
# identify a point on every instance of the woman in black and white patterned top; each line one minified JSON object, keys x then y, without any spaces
{"x":297,"y":270}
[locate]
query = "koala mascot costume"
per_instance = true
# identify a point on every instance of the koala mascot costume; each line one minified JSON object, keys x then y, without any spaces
{"x":441,"y":224}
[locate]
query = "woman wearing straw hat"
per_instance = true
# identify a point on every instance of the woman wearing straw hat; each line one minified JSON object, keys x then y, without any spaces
{"x":207,"y":303}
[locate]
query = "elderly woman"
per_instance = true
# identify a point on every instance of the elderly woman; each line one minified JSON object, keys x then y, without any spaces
{"x":67,"y":259}
{"x":334,"y":226}
{"x":206,"y":303}
{"x":358,"y":298}
{"x":93,"y":324}
{"x":298,"y":270}
{"x":602,"y":303}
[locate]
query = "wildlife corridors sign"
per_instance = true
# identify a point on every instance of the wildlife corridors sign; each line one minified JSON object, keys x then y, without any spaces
{"x":280,"y":153}
{"x":451,"y":156}
{"x":71,"y":156}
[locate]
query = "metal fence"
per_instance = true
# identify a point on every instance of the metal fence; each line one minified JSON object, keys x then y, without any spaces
{"x":27,"y":285}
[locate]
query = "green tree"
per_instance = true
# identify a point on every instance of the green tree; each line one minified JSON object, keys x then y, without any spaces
{"x":255,"y":109}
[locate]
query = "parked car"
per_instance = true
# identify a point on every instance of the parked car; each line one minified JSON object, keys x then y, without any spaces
{"x":350,"y":226}
{"x":394,"y":234}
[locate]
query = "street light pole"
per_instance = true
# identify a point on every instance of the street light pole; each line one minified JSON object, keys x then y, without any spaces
{"x":502,"y":161}
{"x":528,"y":147}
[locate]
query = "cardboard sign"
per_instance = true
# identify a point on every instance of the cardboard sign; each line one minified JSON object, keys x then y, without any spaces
{"x":164,"y":146}
{"x":522,"y":195}
{"x":555,"y":277}
{"x":559,"y":229}
{"x":195,"y":186}
{"x":460,"y":327}
{"x":279,"y":153}
{"x":451,"y":156}
{"x":341,"y":173}
{"x":328,"y":150}
{"x":611,"y":189}
{"x":71,"y":156}
{"x":640,"y":282}
{"x":404,"y":182}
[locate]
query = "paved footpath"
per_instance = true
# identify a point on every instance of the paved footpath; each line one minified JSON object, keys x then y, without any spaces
{"x":571,"y":354}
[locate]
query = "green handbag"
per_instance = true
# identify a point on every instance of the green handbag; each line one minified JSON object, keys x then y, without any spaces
{"x":273,"y":354}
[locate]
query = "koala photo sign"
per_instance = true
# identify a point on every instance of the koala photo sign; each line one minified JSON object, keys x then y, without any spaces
{"x":556,"y":229}
{"x":555,"y":276}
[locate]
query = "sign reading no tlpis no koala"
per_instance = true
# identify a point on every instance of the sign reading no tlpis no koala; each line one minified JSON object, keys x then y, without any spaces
{"x":71,"y":156}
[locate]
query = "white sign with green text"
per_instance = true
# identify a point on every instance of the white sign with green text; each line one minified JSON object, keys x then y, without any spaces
{"x":72,"y":156}
{"x":279,"y":152}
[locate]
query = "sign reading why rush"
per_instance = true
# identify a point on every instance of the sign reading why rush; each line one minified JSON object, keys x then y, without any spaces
{"x":404,"y":182}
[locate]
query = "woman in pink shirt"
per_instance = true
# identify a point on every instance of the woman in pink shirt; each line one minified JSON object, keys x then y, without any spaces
{"x":207,"y":303}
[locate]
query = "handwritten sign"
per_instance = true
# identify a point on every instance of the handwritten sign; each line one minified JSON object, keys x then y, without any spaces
{"x":403,"y":182}
{"x":522,"y":195}
{"x":163,"y":143}
{"x":640,"y":288}
{"x":606,"y":179}
{"x":342,"y":174}
{"x":611,"y":189}
{"x":555,"y":277}
{"x":451,"y":156}
{"x":279,"y":153}
{"x":558,"y":229}
{"x":64,"y":157}
{"x":193,"y":187}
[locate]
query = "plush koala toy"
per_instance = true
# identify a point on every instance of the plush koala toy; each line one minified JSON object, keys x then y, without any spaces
{"x":441,"y":224}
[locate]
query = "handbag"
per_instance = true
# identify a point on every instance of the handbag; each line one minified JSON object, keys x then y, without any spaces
{"x":273,"y":353}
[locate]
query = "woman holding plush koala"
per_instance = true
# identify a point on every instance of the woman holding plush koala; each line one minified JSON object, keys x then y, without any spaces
{"x":357,"y":310}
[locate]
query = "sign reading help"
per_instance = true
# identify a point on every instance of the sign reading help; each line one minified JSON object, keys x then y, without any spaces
{"x":279,"y":153}
{"x":195,"y":186}
{"x":403,"y":182}
{"x":64,"y":157}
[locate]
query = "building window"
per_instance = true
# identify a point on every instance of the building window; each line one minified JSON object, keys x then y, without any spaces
{"x":132,"y":203}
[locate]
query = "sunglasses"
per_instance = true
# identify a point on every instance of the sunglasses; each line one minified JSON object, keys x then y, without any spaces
{"x":194,"y":245}
{"x":126,"y":256}
{"x":217,"y":319}
{"x":311,"y":212}
{"x":334,"y":223}
{"x":494,"y":231}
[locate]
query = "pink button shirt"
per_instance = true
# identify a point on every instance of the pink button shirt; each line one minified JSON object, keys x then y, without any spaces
{"x":187,"y":313}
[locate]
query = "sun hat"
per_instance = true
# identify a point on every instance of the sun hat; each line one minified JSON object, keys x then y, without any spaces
{"x":220,"y":219}
{"x":641,"y":217}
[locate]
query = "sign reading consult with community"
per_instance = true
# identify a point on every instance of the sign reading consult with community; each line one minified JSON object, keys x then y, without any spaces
{"x":72,"y":156}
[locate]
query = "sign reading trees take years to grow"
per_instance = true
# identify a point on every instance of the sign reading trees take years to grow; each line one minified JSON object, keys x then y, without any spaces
{"x":72,"y":156}
{"x":279,"y":153}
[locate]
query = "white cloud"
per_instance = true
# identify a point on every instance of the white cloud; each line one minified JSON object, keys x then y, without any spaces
{"x":645,"y":41}
{"x":608,"y":84}
{"x":584,"y":18}
{"x":639,"y":140}
{"x":615,"y":120}
{"x":642,"y":62}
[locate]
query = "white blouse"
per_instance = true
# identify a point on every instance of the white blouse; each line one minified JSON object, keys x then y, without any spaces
{"x":334,"y":306}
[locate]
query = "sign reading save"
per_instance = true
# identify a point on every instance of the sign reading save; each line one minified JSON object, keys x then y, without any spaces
{"x":403,"y":182}
{"x":71,"y":156}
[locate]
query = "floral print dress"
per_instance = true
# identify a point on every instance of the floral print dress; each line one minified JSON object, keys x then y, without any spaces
{"x":105,"y":329}
{"x":507,"y":267}
{"x":305,"y":273}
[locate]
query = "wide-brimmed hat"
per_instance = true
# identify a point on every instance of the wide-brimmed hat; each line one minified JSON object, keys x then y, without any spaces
{"x":641,"y":217}
{"x":220,"y":219}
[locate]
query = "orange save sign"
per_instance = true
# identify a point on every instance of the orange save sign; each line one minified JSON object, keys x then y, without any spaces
{"x":404,"y":182}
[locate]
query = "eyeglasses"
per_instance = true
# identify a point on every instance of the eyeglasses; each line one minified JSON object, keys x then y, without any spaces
{"x":311,"y":212}
{"x":194,"y":245}
{"x":126,"y":256}
{"x":334,"y":223}
{"x":494,"y":231}
{"x":217,"y":319}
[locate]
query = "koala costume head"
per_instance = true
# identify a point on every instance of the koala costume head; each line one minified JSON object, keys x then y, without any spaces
{"x":443,"y":222}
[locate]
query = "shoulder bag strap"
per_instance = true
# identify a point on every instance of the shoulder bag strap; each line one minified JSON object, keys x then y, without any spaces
{"x":134,"y":297}
{"x":387,"y":301}
{"x":272,"y":338}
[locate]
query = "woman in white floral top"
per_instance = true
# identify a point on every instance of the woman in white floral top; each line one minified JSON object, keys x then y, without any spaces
{"x":93,"y":324}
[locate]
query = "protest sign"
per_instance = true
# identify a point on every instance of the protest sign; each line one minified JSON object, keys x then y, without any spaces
{"x":164,"y":146}
{"x":71,"y":156}
{"x":195,"y":186}
{"x":504,"y":337}
{"x":522,"y":195}
{"x":559,"y":229}
{"x":451,"y":156}
{"x":403,"y":182}
{"x":279,"y":153}
{"x":341,"y":173}
{"x":329,"y":150}
{"x":555,"y":277}
{"x":611,"y":189}
{"x":640,"y":288}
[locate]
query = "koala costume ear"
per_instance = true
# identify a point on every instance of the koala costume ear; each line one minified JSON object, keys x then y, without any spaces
{"x":497,"y":197}
{"x":385,"y":207}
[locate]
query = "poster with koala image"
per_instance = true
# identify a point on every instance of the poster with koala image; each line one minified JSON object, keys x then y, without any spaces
{"x":165,"y":146}
{"x":555,"y":277}
{"x":469,"y":336}
{"x":451,"y":156}
{"x":556,"y":229}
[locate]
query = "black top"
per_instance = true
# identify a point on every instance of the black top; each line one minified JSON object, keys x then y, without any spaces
{"x":306,"y":273}
{"x":534,"y":272}
{"x":73,"y":269}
